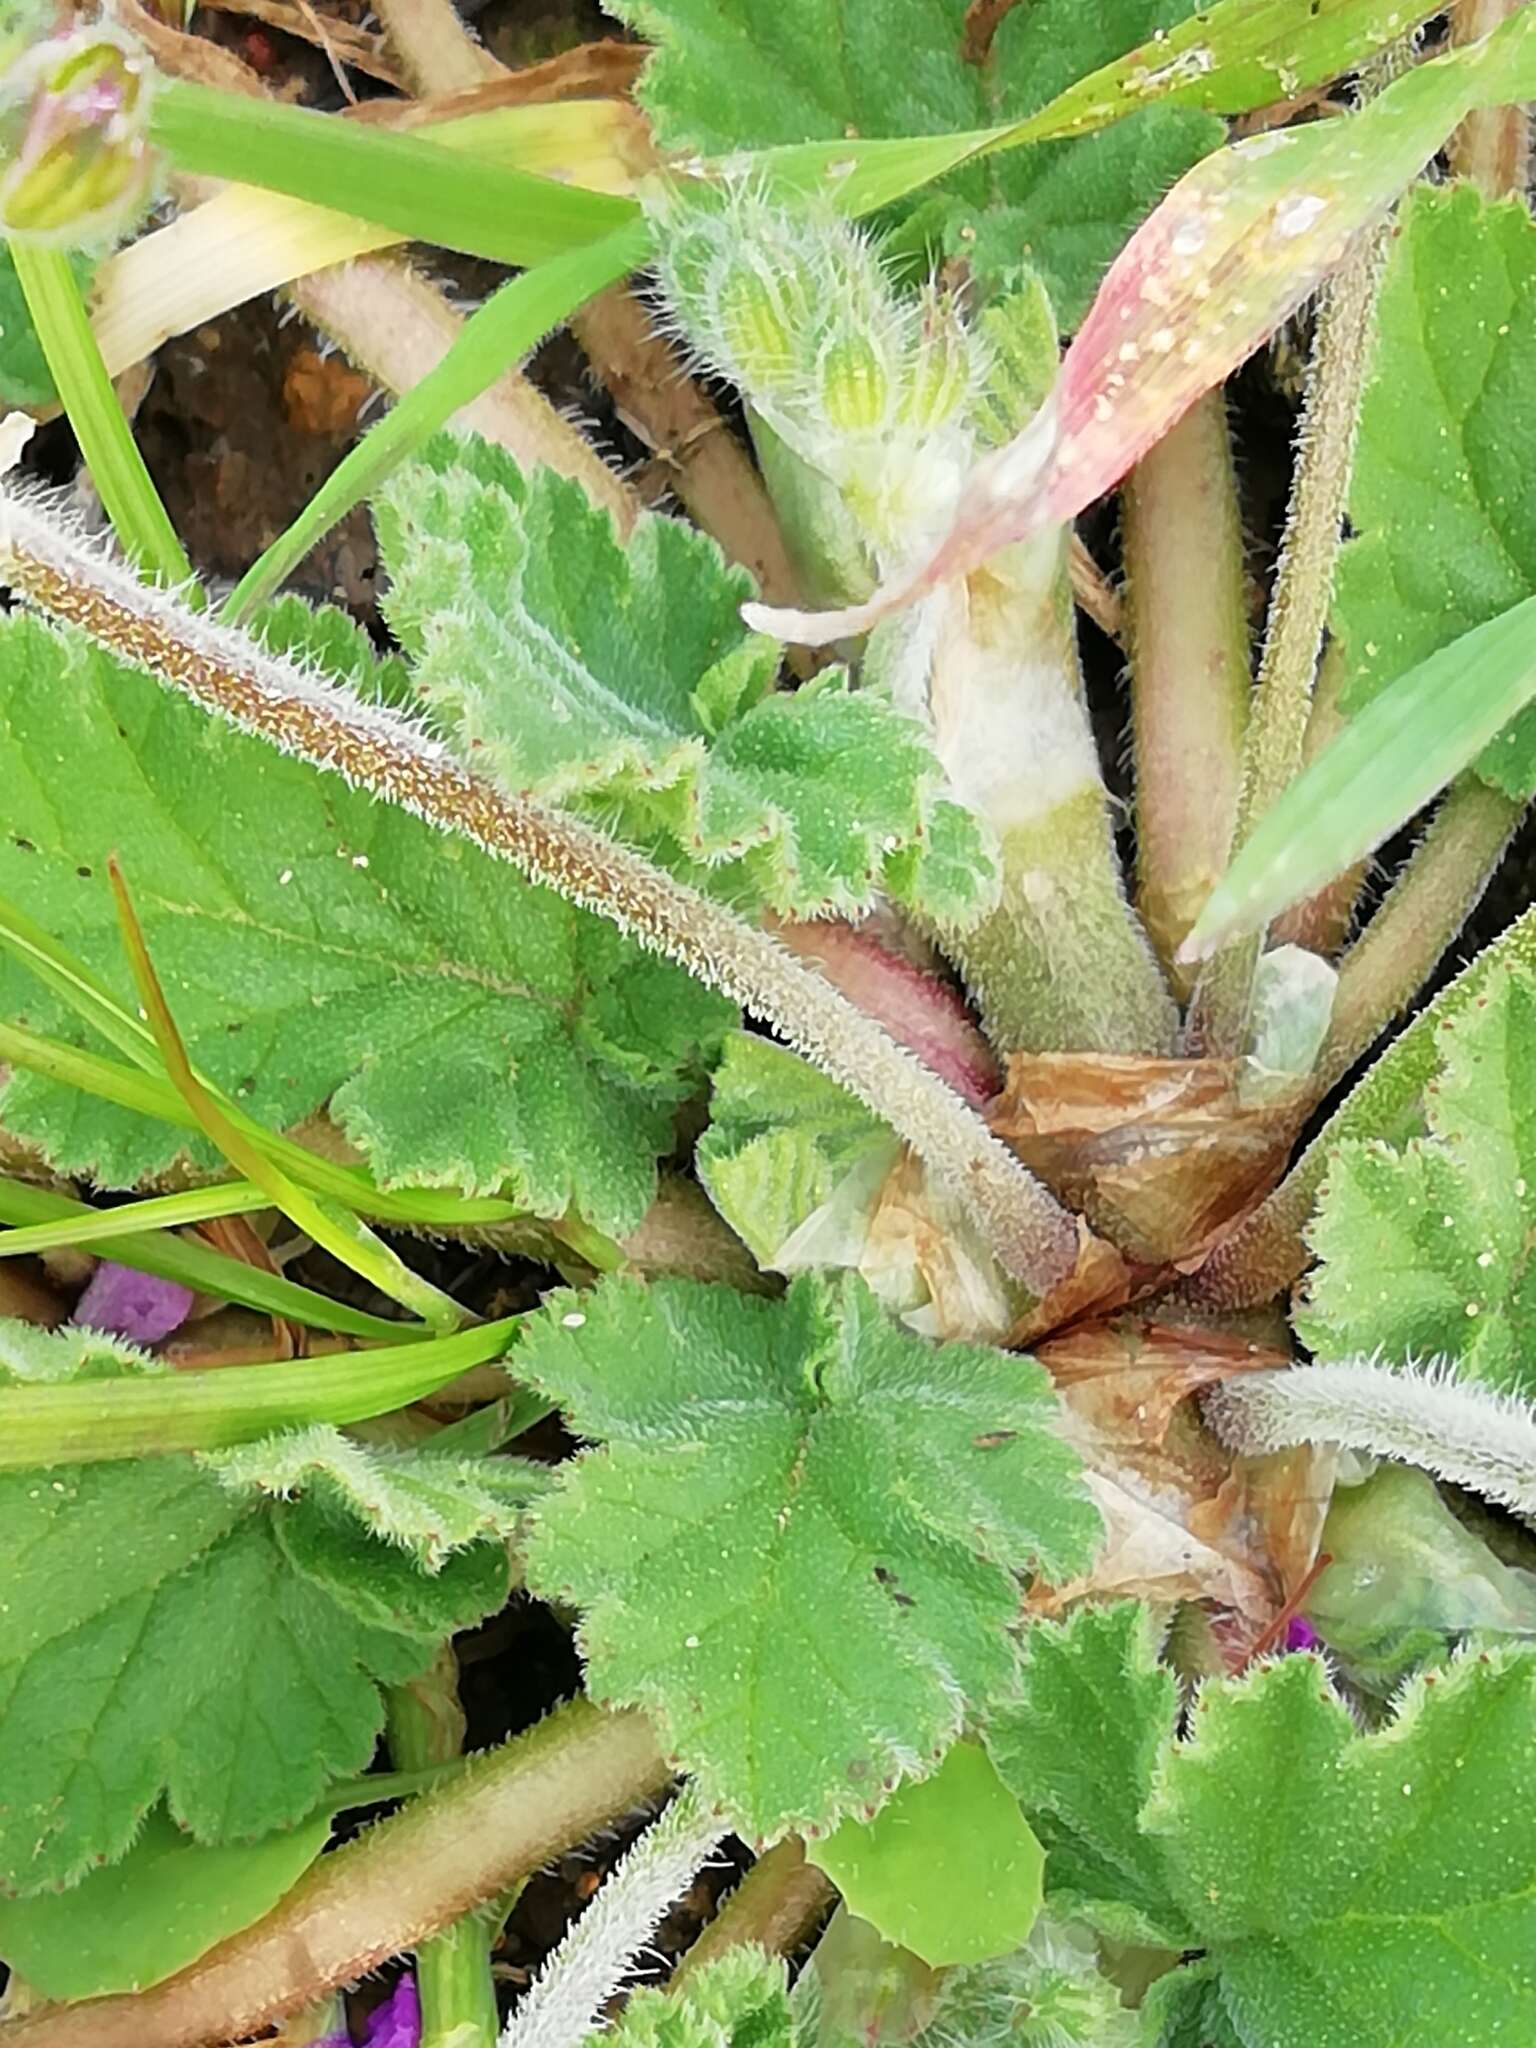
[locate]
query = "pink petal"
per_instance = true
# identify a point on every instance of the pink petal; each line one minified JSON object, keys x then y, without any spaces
{"x":137,"y":1306}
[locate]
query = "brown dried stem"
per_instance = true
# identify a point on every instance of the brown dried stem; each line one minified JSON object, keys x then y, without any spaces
{"x":775,"y":1907}
{"x":1492,"y":146}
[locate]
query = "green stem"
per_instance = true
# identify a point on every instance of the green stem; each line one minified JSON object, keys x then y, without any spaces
{"x":161,"y":1212}
{"x":140,"y":521}
{"x":1425,"y":909}
{"x":425,"y":1725}
{"x":498,"y":1822}
{"x":1298,"y":609}
{"x":1268,"y":1254}
{"x":1188,"y":637}
{"x":1322,"y":923}
{"x":92,"y":1421}
{"x":420,"y":189}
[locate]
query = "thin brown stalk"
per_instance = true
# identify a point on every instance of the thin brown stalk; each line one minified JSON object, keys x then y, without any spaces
{"x":340,"y":40}
{"x":1426,"y":907}
{"x":775,"y":1907}
{"x":435,"y":45}
{"x":1034,"y":1238}
{"x":1492,"y":146}
{"x":1187,"y":618}
{"x":402,"y":1881}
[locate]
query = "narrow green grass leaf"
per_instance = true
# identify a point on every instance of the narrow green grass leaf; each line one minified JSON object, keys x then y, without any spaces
{"x":209,"y":1272}
{"x":110,"y":1081}
{"x":160,"y":1212}
{"x":95,"y":1421}
{"x":420,"y":189}
{"x":501,"y":333}
{"x":112,"y":456}
{"x":330,"y":1224}
{"x":1390,"y":760}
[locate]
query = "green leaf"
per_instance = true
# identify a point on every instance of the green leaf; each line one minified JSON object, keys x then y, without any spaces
{"x":1049,"y":1995}
{"x":737,"y":2001}
{"x":797,"y":1545}
{"x":782,"y":1142}
{"x":733,"y":74}
{"x":1080,"y":1747}
{"x":165,"y":1904}
{"x":948,"y":1868}
{"x":1349,"y":1890}
{"x":620,"y":682}
{"x":1448,"y":427}
{"x":429,"y":1504}
{"x":158,"y":1641}
{"x":467,"y":1029}
{"x":1400,"y":749}
{"x":1428,"y":1252}
{"x":381,"y":1585}
{"x":24,"y":375}
{"x":34,"y":1357}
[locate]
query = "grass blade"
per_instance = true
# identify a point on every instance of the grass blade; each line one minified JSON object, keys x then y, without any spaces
{"x":209,"y":1272}
{"x":401,"y":181}
{"x":159,"y":1212}
{"x":503,"y":331}
{"x":94,"y":1421}
{"x":1389,"y":761}
{"x":330,"y":1224}
{"x":140,"y":521}
{"x":149,"y":1095}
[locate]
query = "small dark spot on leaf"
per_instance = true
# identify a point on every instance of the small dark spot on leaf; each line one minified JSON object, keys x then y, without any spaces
{"x":24,"y":846}
{"x":84,"y":873}
{"x":994,"y":1439}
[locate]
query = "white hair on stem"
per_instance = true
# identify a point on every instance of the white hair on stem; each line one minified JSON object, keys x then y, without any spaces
{"x":45,"y":559}
{"x":565,"y":2001}
{"x":1425,"y":1415}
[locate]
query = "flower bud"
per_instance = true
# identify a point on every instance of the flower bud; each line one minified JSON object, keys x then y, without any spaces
{"x":853,"y":383}
{"x":942,"y":366}
{"x":756,"y":319}
{"x":74,"y":122}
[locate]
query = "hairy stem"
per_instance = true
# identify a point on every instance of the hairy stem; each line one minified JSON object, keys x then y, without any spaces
{"x":1298,"y":609}
{"x":1458,"y":1429}
{"x":1267,"y":1254}
{"x":391,"y":1888}
{"x":1032,"y":1235}
{"x":566,"y":2000}
{"x":775,"y":1906}
{"x":1187,"y":619}
{"x":1061,"y":965}
{"x":1426,"y":907}
{"x":1322,"y":923}
{"x":1493,"y":145}
{"x":453,"y":1969}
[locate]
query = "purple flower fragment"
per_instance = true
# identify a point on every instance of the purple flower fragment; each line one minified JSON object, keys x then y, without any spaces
{"x":394,"y":2024}
{"x":1300,"y":1635}
{"x":136,"y":1306}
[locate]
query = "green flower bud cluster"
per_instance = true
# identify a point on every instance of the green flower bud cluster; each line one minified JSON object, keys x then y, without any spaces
{"x":75,"y":157}
{"x":871,"y":391}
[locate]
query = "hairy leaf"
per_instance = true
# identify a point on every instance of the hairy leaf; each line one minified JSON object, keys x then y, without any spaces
{"x":620,"y":682}
{"x":947,"y":1868}
{"x":733,"y":74}
{"x":1428,"y":1252}
{"x":797,"y":1545}
{"x":737,"y":2001}
{"x":163,"y":1635}
{"x":1080,"y":1747}
{"x":782,"y":1141}
{"x":1447,"y":434}
{"x":1050,"y":1994}
{"x":430,"y":1504}
{"x":1349,"y":1890}
{"x":167,"y":1902}
{"x":34,"y":1357}
{"x":467,"y":1029}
